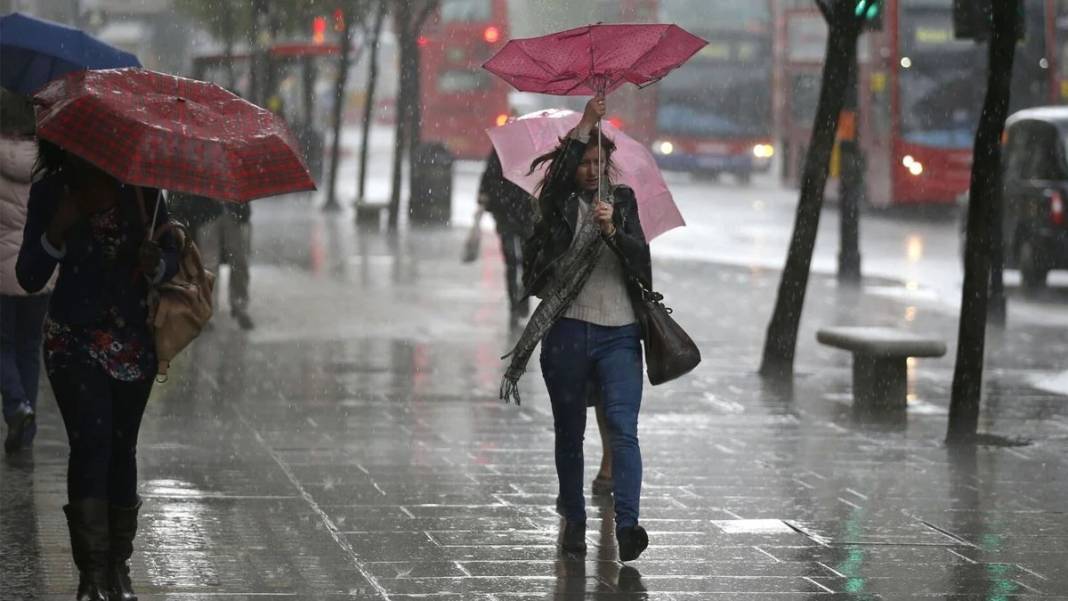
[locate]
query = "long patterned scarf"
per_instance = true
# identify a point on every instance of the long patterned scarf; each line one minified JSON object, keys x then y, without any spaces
{"x":571,"y":274}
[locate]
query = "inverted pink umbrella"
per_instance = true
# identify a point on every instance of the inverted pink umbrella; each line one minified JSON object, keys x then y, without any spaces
{"x":530,"y":136}
{"x":594,"y":59}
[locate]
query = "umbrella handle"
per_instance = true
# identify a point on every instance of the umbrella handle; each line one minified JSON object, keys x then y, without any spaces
{"x":150,"y":226}
{"x":155,"y":214}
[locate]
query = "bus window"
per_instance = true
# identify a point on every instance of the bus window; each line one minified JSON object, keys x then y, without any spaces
{"x":457,"y":80}
{"x":939,"y":106}
{"x":466,"y":11}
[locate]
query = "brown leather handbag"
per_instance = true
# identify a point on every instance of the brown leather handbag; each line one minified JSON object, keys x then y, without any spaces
{"x":181,"y":306}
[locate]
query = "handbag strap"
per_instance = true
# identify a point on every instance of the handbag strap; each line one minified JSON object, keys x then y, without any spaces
{"x":647,"y":289}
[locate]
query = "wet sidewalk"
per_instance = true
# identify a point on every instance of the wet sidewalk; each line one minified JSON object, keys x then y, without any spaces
{"x":352,"y":447}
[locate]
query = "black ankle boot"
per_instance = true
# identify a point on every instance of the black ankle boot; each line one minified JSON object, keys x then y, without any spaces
{"x":573,"y":539}
{"x":87,"y":521}
{"x":632,"y":541}
{"x":123,"y":530}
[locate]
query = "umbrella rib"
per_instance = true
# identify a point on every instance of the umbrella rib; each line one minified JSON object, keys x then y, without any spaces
{"x":663,"y":34}
{"x":541,"y":64}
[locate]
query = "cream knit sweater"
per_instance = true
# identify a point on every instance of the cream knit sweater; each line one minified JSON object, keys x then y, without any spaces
{"x":604,"y":300}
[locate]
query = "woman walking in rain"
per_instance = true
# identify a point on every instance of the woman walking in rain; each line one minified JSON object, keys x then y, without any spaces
{"x":587,"y":239}
{"x":99,"y":352}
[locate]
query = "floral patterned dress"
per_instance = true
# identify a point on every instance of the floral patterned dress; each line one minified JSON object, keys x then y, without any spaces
{"x":125,"y":351}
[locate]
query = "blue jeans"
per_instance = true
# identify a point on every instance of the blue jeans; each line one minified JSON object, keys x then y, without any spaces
{"x":21,"y":319}
{"x":575,"y":355}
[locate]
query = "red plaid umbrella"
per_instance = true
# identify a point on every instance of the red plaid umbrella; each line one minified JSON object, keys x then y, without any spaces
{"x":594,"y":59}
{"x":161,"y":131}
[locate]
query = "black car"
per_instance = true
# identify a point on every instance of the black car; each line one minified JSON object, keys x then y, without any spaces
{"x":1035,"y":192}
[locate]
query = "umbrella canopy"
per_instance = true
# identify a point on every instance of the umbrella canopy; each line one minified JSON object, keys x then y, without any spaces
{"x":162,"y":131}
{"x":521,"y":141}
{"x":593,"y":59}
{"x":33,"y":52}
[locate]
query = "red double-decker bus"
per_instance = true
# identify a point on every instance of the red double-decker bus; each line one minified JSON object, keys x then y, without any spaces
{"x":714,"y":114}
{"x":459,"y":98}
{"x":920,"y":94}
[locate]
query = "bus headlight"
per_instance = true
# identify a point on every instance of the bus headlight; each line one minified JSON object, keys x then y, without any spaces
{"x":915,"y":167}
{"x":664,"y":147}
{"x":763,"y":151}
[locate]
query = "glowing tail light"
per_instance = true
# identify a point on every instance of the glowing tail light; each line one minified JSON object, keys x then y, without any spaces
{"x":502,"y":119}
{"x":1056,"y":208}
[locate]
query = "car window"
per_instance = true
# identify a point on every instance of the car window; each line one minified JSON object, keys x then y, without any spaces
{"x":1033,"y":152}
{"x":1016,"y":153}
{"x":1045,"y":154}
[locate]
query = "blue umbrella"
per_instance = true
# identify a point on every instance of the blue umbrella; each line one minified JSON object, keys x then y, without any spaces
{"x":33,"y":52}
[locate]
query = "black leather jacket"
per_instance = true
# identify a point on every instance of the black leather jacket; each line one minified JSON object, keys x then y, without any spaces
{"x":556,"y":228}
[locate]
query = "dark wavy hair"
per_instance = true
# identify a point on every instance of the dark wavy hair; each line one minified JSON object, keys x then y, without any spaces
{"x":553,"y":158}
{"x":50,"y":158}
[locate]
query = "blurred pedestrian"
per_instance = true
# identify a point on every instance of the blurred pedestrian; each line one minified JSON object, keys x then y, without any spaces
{"x":99,"y":352}
{"x":586,"y":240}
{"x":21,"y":313}
{"x":223,"y":233}
{"x":513,"y":213}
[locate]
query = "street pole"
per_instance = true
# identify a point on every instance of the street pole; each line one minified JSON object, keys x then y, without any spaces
{"x":851,"y":183}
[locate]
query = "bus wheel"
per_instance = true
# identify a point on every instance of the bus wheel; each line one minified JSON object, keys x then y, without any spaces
{"x":1032,"y":272}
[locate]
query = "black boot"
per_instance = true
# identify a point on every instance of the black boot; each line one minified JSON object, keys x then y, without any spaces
{"x":123,"y":530}
{"x":88,"y":523}
{"x":573,"y":538}
{"x":632,"y":541}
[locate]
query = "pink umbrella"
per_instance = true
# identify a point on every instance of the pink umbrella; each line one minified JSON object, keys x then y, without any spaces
{"x":594,"y":58}
{"x":532,"y":135}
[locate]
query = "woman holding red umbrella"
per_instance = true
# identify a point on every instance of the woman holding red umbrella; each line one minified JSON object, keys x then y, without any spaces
{"x":99,"y":351}
{"x":586,"y":243}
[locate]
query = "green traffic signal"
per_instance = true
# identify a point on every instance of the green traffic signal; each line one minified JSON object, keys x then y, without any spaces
{"x":869,"y":9}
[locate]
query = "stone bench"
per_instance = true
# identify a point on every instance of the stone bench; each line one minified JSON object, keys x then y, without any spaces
{"x":368,"y":215}
{"x":880,"y":362}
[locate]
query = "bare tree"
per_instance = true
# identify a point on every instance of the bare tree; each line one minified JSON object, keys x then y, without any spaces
{"x":369,"y":98}
{"x":984,"y":192}
{"x":354,"y":11}
{"x":409,"y":17}
{"x":844,"y":23}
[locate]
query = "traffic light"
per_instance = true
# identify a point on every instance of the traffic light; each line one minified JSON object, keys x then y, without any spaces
{"x":974,"y":19}
{"x":871,"y":14}
{"x":319,"y":30}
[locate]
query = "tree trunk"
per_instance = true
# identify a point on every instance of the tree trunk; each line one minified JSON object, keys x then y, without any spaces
{"x":781,"y":341}
{"x":984,"y":192}
{"x":410,"y":21}
{"x":403,"y":136}
{"x":368,"y":108}
{"x":228,"y":33}
{"x":339,"y":105}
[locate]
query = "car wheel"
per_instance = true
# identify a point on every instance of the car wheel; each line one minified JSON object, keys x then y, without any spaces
{"x":1032,"y":271}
